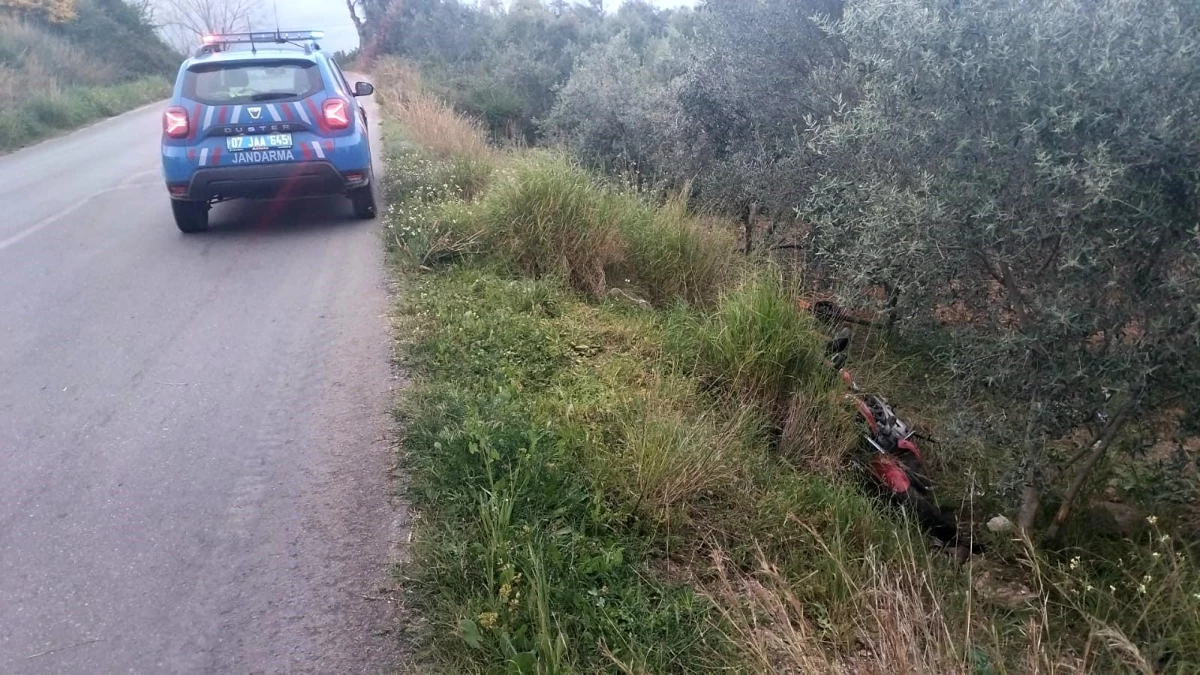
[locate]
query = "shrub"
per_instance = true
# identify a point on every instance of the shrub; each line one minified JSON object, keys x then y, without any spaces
{"x":500,"y":108}
{"x":1067,"y":221}
{"x":610,"y":114}
{"x":757,"y":344}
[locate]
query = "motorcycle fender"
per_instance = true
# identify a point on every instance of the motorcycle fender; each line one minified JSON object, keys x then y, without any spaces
{"x":908,"y":446}
{"x":865,"y":411}
{"x":890,"y":474}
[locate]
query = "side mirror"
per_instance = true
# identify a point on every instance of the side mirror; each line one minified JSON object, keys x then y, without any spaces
{"x":363,"y":89}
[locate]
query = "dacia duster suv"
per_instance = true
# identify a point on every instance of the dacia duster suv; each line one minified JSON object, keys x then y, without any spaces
{"x":264,"y":116}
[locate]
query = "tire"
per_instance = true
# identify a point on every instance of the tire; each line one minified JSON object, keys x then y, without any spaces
{"x":190,"y":217}
{"x":931,"y":518}
{"x":363,"y":200}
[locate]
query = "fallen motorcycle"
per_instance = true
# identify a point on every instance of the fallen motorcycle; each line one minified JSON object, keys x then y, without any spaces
{"x":888,"y":456}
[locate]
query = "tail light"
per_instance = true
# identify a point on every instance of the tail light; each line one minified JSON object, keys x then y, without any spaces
{"x":175,"y":122}
{"x":337,"y":113}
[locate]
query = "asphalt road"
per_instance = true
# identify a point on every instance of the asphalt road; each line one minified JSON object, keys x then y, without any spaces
{"x":194,"y":464}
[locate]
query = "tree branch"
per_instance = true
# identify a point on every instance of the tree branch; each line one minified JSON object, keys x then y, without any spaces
{"x":1097,"y":451}
{"x":1002,"y":273}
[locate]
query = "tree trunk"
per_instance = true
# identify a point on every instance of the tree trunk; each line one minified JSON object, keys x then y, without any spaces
{"x":751,"y":219}
{"x":893,"y":300}
{"x":1031,"y":496}
{"x":1031,"y":500}
{"x":1099,"y":448}
{"x":359,"y":24}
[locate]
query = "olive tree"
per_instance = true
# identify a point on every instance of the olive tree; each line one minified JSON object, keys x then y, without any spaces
{"x":1021,"y":179}
{"x":613,"y":114}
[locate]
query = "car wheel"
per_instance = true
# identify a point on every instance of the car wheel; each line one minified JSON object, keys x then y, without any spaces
{"x":190,"y":217}
{"x":363,"y":200}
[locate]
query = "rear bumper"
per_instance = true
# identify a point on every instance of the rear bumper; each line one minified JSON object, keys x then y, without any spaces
{"x":290,"y":180}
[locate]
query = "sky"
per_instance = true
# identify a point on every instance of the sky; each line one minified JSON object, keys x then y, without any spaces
{"x":332,"y":17}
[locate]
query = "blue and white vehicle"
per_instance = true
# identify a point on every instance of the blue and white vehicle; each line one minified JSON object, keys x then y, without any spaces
{"x":264,"y":116}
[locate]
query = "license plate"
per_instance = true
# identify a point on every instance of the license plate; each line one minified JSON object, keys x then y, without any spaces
{"x":268,"y":142}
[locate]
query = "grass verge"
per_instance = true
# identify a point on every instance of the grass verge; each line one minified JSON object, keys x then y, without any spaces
{"x":646,"y":481}
{"x":45,"y":114}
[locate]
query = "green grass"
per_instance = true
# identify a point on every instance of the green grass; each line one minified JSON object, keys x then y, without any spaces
{"x":756,"y":344}
{"x":576,"y":476}
{"x":552,"y":218}
{"x":674,"y":255}
{"x":43,"y":115}
{"x":524,"y":561}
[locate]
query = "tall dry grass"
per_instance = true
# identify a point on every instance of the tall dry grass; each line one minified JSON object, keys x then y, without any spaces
{"x":911,"y":617}
{"x":427,"y":120}
{"x":901,"y":625}
{"x":819,"y":429}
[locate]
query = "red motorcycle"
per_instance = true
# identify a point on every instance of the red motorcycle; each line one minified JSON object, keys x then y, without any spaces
{"x":889,"y":457}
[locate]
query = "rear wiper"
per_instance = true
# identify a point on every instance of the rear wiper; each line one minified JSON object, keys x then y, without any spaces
{"x":273,"y":95}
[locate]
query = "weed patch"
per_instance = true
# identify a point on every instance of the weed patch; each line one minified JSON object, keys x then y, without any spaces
{"x":676,"y":256}
{"x":553,"y":219}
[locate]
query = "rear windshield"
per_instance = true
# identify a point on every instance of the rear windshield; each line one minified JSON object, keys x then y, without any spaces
{"x":238,"y":83}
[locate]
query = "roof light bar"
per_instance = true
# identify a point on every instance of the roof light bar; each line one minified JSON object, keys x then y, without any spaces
{"x":264,"y":36}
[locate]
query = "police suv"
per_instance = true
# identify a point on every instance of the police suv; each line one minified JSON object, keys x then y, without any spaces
{"x":264,"y":116}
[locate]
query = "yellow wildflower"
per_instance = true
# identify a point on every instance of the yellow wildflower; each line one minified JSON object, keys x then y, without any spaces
{"x":488,"y":619}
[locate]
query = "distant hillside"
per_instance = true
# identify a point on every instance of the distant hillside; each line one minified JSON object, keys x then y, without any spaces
{"x":64,"y":63}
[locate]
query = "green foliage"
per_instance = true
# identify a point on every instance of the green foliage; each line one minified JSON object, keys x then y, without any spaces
{"x":504,"y":62}
{"x":611,"y":113}
{"x":469,"y":175}
{"x":1046,"y":177}
{"x":600,"y":488}
{"x":117,"y":33}
{"x":1148,"y":588}
{"x":503,"y":110}
{"x":549,"y":217}
{"x":1020,"y":206}
{"x":427,"y":220}
{"x":101,"y":60}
